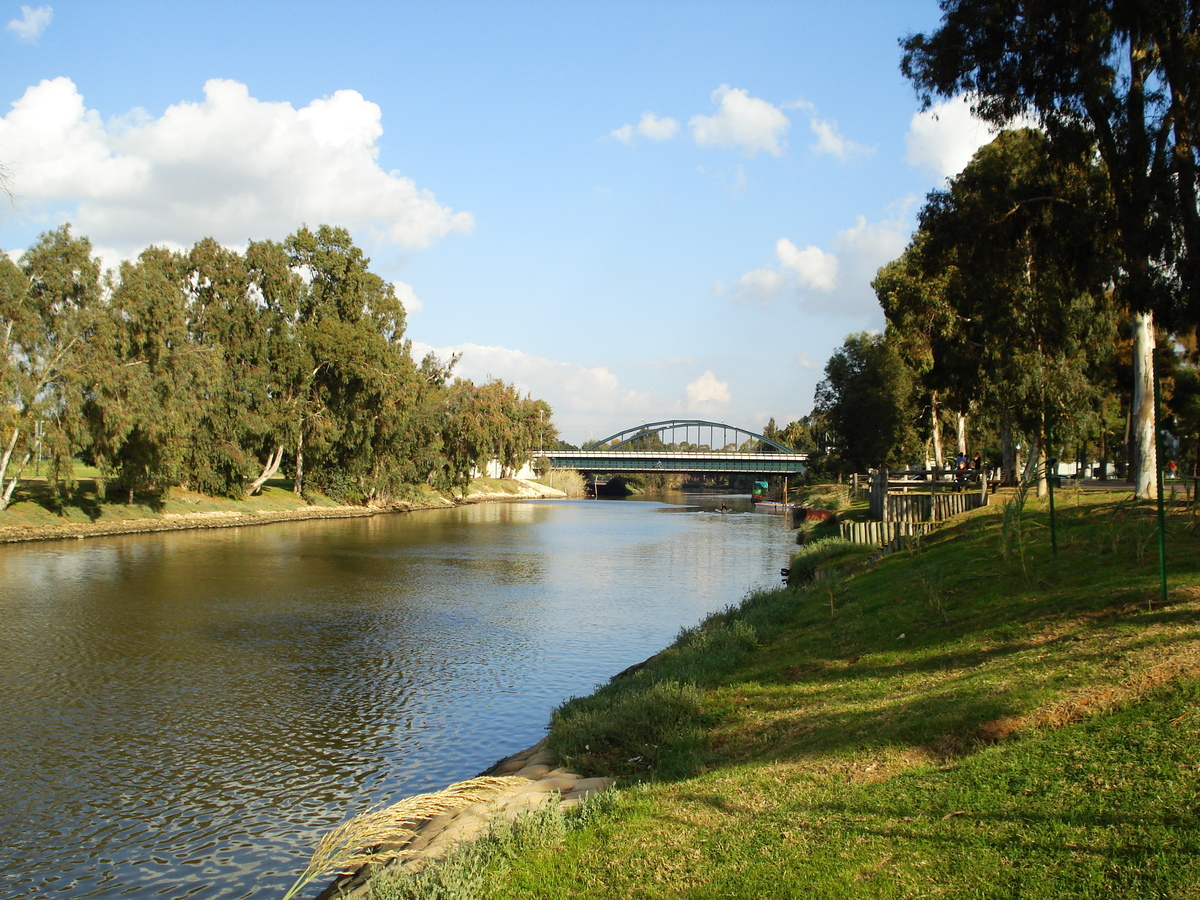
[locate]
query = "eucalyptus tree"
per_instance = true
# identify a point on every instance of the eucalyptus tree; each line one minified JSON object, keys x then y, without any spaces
{"x":362,"y":380}
{"x":1002,"y":295}
{"x":46,"y":308}
{"x":1124,"y":73}
{"x":278,"y":363}
{"x":924,"y":328}
{"x":866,"y":405}
{"x":150,"y":382}
{"x":225,"y":330}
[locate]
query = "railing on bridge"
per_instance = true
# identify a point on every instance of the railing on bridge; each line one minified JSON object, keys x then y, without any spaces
{"x":643,"y":449}
{"x":676,"y":461}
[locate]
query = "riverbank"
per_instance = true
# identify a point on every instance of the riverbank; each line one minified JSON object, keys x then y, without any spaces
{"x":28,"y":520}
{"x":975,"y":716}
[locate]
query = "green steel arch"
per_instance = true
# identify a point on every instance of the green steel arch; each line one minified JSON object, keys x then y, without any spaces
{"x":640,"y":431}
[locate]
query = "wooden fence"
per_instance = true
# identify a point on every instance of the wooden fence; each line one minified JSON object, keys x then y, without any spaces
{"x":908,"y":499}
{"x":881,"y":533}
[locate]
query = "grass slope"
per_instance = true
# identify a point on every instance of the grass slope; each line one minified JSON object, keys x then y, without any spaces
{"x":37,"y":504}
{"x":975,"y":717}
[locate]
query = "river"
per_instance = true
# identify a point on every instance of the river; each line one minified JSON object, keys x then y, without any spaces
{"x":183,"y":714}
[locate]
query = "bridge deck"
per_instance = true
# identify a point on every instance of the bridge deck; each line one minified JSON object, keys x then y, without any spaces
{"x":676,"y":461}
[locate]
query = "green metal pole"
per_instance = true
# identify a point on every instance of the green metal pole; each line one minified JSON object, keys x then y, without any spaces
{"x":1052,"y":465}
{"x":1158,"y":469}
{"x":1051,"y":474}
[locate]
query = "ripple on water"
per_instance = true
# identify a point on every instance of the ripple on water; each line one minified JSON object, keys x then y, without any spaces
{"x":184,"y":715}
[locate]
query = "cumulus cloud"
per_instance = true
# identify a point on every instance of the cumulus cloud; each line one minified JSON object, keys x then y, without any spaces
{"x":650,"y":126}
{"x":586,"y":399}
{"x":760,"y":284}
{"x":32,"y":23}
{"x":707,"y":394}
{"x":943,"y":138}
{"x":814,"y":269}
{"x":836,"y":281}
{"x":832,"y":142}
{"x":742,"y":121}
{"x":231,"y":166}
{"x":408,"y":298}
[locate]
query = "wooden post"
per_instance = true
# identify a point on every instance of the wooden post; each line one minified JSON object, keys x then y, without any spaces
{"x":933,"y":480}
{"x":883,"y":492}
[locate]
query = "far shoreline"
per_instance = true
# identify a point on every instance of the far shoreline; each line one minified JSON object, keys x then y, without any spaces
{"x":515,"y":489}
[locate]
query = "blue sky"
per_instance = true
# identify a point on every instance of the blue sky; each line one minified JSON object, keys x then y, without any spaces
{"x":636,"y":211}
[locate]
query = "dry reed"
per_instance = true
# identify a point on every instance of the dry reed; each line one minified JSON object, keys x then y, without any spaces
{"x":375,"y":836}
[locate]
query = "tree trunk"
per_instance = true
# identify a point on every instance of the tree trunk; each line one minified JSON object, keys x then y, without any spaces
{"x":10,"y":486}
{"x":12,"y":482}
{"x":1035,"y":466}
{"x":961,"y":426}
{"x":268,"y":471}
{"x":1103,"y":443}
{"x":1145,"y":459}
{"x":298,"y":481}
{"x":1008,"y":458}
{"x":936,"y":429}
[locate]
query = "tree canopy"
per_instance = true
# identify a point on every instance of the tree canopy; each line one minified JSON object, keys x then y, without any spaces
{"x":214,"y":369}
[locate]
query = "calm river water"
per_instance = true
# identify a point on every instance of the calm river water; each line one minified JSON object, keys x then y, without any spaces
{"x":182,"y":715}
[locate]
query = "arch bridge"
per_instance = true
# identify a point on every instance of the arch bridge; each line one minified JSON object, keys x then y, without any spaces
{"x":658,"y":447}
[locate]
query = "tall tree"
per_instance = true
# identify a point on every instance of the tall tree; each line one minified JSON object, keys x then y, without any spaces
{"x":283,"y":369}
{"x":46,"y":310}
{"x":363,"y":379}
{"x":1002,"y":293}
{"x":1122,"y":72}
{"x":150,"y":382}
{"x":866,"y":404}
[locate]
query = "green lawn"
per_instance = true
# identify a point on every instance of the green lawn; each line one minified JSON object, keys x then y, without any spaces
{"x":974,"y":717}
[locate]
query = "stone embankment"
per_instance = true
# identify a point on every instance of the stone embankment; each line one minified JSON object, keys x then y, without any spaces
{"x":523,"y":490}
{"x":434,"y":838}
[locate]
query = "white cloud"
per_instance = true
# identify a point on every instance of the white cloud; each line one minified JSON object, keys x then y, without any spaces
{"x":814,"y":269}
{"x":834,"y":282}
{"x":799,"y":103}
{"x":650,"y":126}
{"x":805,"y":361}
{"x":624,"y":134}
{"x":944,"y":137}
{"x":32,"y":23}
{"x":408,"y":298}
{"x":707,"y":393}
{"x":586,"y":399}
{"x":831,"y":141}
{"x":231,"y":166}
{"x":657,"y":129}
{"x":741,"y":121}
{"x":761,"y":284}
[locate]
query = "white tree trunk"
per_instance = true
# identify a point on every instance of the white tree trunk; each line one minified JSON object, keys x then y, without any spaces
{"x":1035,"y":466}
{"x":1145,"y":455}
{"x":268,"y":471}
{"x":961,"y":426}
{"x":11,"y":485}
{"x":936,"y":428}
{"x":298,"y":481}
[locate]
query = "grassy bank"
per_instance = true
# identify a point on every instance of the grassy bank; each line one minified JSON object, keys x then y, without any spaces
{"x":39,"y":512}
{"x":974,"y":717}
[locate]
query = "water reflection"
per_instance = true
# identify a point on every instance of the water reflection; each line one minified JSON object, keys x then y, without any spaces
{"x":182,"y":714}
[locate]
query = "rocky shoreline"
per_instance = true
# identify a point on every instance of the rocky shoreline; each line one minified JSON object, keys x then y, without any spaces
{"x":540,"y":784}
{"x":12,"y":534}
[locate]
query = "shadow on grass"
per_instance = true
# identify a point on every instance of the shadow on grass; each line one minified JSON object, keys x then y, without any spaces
{"x":81,"y":497}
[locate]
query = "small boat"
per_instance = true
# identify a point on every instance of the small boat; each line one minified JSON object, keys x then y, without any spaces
{"x":764,"y":503}
{"x":773,"y":506}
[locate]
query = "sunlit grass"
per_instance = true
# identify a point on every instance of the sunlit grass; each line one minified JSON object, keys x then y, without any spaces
{"x":959,"y":721}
